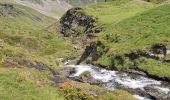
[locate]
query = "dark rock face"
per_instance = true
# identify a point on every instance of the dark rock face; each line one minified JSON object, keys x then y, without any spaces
{"x":76,"y":22}
{"x":154,"y":53}
{"x":159,"y":49}
{"x":137,"y":54}
{"x":94,"y":51}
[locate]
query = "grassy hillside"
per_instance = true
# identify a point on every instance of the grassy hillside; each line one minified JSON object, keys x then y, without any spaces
{"x":24,"y":27}
{"x":22,"y":37}
{"x":30,"y":55}
{"x":131,"y":30}
{"x":113,"y":12}
{"x":26,"y":84}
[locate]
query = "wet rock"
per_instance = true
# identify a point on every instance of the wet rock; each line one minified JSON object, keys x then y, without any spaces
{"x":90,"y":80}
{"x":87,"y":78}
{"x":67,"y":71}
{"x":154,"y":92}
{"x":140,"y":92}
{"x":133,"y":71}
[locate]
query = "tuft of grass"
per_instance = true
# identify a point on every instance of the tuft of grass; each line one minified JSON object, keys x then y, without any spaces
{"x":154,"y":67}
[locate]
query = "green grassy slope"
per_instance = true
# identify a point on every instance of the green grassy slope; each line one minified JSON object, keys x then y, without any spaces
{"x":22,"y":18}
{"x":25,"y":40}
{"x":26,"y":84}
{"x":142,"y":31}
{"x":23,"y":27}
{"x":22,"y":37}
{"x":130,"y":26}
{"x":113,"y":12}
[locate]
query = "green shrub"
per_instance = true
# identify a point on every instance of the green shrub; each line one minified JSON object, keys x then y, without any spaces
{"x":72,"y":93}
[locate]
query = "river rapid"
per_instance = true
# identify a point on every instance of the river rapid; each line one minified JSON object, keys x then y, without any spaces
{"x":142,"y":87}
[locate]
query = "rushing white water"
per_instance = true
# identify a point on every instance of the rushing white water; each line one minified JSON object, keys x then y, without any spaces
{"x":108,"y":76}
{"x":163,"y":89}
{"x":113,"y":78}
{"x":140,"y":97}
{"x":140,"y":82}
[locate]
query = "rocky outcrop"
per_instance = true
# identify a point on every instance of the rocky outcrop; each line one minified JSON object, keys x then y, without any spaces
{"x":75,"y":22}
{"x":93,"y":52}
{"x":158,"y":95}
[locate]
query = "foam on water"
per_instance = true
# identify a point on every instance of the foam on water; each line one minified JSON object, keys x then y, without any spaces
{"x":140,"y":82}
{"x":107,"y":75}
{"x":112,"y":78}
{"x":100,"y":74}
{"x":82,"y":68}
{"x":163,"y":89}
{"x":141,"y":98}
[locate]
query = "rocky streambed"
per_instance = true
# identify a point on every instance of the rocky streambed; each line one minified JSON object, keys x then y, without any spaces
{"x":142,"y":87}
